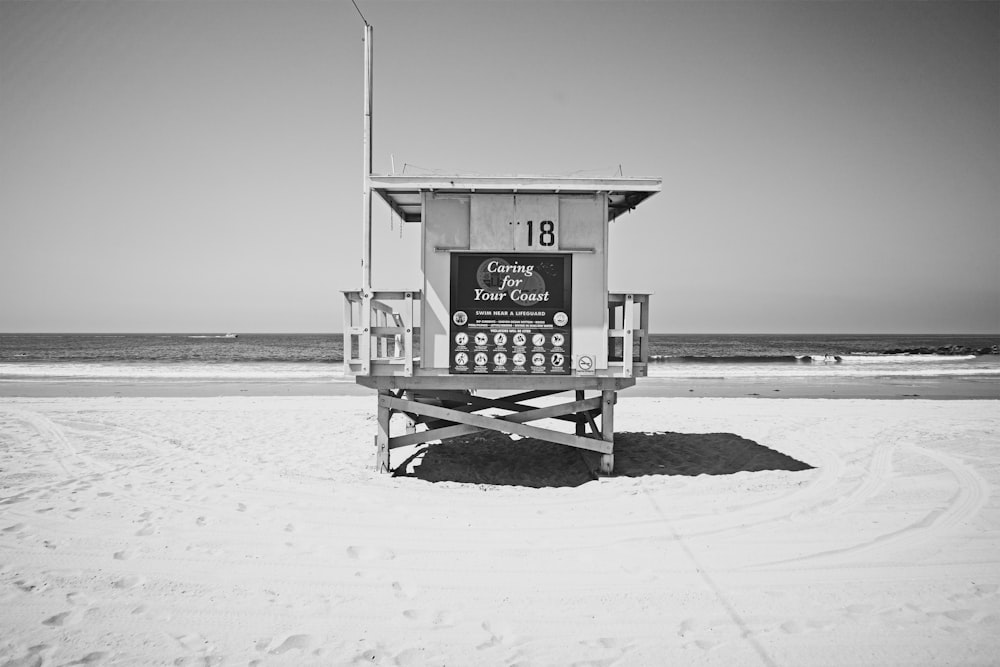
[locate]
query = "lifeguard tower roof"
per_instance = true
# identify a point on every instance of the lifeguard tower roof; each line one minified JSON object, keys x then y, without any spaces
{"x":403,"y":193}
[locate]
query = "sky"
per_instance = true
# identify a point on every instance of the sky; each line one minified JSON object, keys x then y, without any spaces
{"x":173,"y":166}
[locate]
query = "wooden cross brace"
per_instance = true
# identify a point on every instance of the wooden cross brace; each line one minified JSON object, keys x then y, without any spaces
{"x":453,"y":414}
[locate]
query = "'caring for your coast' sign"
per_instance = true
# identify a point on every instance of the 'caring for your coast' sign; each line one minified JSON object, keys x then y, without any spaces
{"x":511,"y":313}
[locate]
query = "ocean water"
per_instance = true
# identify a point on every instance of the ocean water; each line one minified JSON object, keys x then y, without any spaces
{"x":319,"y":357}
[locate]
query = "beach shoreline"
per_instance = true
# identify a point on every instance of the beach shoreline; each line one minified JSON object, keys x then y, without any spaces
{"x":985,"y":387}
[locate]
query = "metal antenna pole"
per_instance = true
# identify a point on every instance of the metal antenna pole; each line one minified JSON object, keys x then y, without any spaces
{"x":365,"y":339}
{"x":366,"y":258}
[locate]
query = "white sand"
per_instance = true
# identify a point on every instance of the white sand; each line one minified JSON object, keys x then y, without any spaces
{"x":250,"y":530}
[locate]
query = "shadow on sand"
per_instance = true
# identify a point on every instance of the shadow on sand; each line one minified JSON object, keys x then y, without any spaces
{"x":496,"y":459}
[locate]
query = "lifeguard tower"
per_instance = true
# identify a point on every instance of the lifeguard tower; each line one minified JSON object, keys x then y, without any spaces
{"x":513,"y":306}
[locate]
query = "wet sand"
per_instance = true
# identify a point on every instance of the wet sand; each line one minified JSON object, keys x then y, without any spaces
{"x":895,"y":387}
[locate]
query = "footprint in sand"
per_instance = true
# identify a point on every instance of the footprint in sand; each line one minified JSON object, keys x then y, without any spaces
{"x":498,"y":635}
{"x":292,"y":642}
{"x":438,"y":619}
{"x":78,"y":599}
{"x":986,"y":590}
{"x":65,"y":618}
{"x":36,"y":655}
{"x":444,"y":619}
{"x":603,"y":642}
{"x":960,"y":615}
{"x":978,"y":591}
{"x":705,"y":644}
{"x":130,"y":581}
{"x":859,"y":609}
{"x":404,"y":592}
{"x":792,"y":627}
{"x":414,"y":614}
{"x":373,"y":656}
{"x":370,"y":553}
{"x":688,"y":629}
{"x":29,"y":586}
{"x":192,"y":642}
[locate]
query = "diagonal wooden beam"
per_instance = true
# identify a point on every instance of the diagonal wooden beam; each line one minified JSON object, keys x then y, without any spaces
{"x":510,"y":423}
{"x":451,"y":430}
{"x":476,"y":403}
{"x":536,"y":393}
{"x":441,"y":433}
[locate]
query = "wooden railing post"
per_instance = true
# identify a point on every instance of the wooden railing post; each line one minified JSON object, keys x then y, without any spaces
{"x":348,"y":324}
{"x":365,"y":338}
{"x":644,"y":327}
{"x":627,"y":324}
{"x":408,"y":336}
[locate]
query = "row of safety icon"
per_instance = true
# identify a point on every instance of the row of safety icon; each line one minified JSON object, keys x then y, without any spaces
{"x":499,"y":359}
{"x":519,"y":339}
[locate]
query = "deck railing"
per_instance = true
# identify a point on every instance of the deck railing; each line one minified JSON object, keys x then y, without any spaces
{"x":379,"y":331}
{"x":628,"y":331}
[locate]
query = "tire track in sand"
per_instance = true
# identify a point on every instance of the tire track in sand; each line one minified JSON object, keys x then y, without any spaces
{"x":970,"y":496}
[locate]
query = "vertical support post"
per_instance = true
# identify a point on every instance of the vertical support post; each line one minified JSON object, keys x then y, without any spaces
{"x":382,"y":438}
{"x":348,"y":325}
{"x":397,"y":339}
{"x":411,"y":426}
{"x":612,"y":324}
{"x":365,"y":337}
{"x":382,"y":340}
{"x":408,"y":336}
{"x":627,"y":324}
{"x":581,"y":419}
{"x":608,"y":399}
{"x":644,"y":325}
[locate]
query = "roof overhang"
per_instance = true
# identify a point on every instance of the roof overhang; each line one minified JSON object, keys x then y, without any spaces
{"x":404,"y":193}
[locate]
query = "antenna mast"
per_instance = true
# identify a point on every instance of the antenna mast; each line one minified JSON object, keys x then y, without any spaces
{"x":366,"y":256}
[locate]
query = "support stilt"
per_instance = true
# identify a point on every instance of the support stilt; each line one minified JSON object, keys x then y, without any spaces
{"x":439,"y":408}
{"x":411,"y":424}
{"x":608,"y":429}
{"x":382,"y":439}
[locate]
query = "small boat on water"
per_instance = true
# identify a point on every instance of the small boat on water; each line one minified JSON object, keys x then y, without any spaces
{"x":231,"y":335}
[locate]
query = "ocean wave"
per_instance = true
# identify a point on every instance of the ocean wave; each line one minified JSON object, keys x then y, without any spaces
{"x":173,"y":372}
{"x":809,"y":371}
{"x":809,"y":359}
